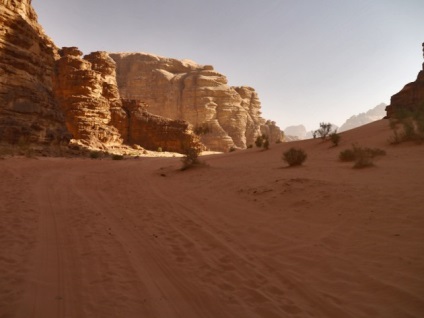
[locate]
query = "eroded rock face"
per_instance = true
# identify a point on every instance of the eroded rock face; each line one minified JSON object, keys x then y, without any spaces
{"x":184,"y":90}
{"x":155,"y":132}
{"x":49,"y":95}
{"x":28,"y":109}
{"x":410,"y":97}
{"x":86,"y":92}
{"x":98,"y":118}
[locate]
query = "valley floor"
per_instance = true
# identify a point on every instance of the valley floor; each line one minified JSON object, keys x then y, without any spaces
{"x":241,"y":236}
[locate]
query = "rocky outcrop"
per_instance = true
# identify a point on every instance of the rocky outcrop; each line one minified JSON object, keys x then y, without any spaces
{"x":184,"y":90}
{"x":28,"y":110}
{"x":98,"y":118}
{"x":48,"y":95}
{"x":376,"y":113}
{"x":155,"y":132}
{"x":86,"y":91}
{"x":410,"y":97}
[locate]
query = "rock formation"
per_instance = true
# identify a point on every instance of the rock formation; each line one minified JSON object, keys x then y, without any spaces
{"x":85,"y":91}
{"x":184,"y":90}
{"x":97,"y":117}
{"x":376,"y":113}
{"x":155,"y":132}
{"x":28,"y":110}
{"x":48,"y":95}
{"x":410,"y":97}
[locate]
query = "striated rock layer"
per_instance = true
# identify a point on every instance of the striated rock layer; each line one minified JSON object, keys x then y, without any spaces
{"x":184,"y":90}
{"x":28,"y":109}
{"x":96,"y":116}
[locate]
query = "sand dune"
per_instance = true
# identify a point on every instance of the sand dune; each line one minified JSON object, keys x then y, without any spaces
{"x":242,"y":236}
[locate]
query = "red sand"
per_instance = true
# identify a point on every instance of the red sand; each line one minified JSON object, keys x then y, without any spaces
{"x":241,"y":237}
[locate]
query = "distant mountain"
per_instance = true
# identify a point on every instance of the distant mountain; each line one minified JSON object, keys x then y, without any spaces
{"x":295,"y":132}
{"x":378,"y":112}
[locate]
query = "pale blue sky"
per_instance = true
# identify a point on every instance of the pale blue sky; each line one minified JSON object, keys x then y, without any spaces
{"x":309,"y":60}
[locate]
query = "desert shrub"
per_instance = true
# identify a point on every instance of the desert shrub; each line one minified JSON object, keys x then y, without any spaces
{"x":191,"y":158}
{"x":160,"y":149}
{"x":347,"y":155}
{"x":363,"y":157}
{"x":95,"y":154}
{"x":249,"y":146}
{"x":259,"y":141}
{"x":363,"y":160}
{"x":294,"y":156}
{"x":262,"y":141}
{"x":324,"y":130}
{"x":117,"y":157}
{"x":335,"y":138}
{"x":232,"y":149}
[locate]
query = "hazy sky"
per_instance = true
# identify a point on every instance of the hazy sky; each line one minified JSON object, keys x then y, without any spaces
{"x":309,"y":60}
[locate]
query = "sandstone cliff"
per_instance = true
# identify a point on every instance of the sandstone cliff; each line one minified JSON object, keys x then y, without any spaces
{"x":96,"y":116}
{"x":184,"y":90}
{"x":85,"y":91}
{"x":410,"y":97}
{"x":28,"y":109}
{"x":49,"y":95}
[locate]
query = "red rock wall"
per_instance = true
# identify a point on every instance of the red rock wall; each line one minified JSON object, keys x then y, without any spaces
{"x":28,"y":109}
{"x":154,"y":132}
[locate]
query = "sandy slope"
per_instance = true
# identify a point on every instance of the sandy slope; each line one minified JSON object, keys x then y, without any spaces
{"x":243,"y":237}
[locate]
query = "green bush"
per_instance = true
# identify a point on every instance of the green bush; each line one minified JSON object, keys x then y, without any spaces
{"x":294,"y":156}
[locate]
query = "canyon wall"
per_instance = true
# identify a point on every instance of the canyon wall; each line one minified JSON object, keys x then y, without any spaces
{"x":50,"y":95}
{"x":184,"y":90}
{"x":28,"y":109}
{"x":98,"y":118}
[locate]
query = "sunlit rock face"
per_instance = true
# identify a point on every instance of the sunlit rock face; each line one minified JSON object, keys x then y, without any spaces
{"x":96,"y":115}
{"x":86,"y":91}
{"x":53,"y":95}
{"x":184,"y":90}
{"x":28,"y":109}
